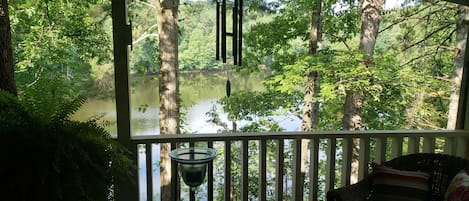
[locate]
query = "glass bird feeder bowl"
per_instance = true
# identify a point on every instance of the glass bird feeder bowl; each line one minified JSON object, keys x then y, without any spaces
{"x":193,"y":163}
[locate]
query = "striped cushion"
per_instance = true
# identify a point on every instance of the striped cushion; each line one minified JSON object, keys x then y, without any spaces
{"x":397,"y":185}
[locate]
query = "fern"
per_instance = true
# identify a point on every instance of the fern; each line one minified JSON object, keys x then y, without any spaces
{"x":64,"y":111}
{"x":49,"y":100}
{"x":66,"y":160}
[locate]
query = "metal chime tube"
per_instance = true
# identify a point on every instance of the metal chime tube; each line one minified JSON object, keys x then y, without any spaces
{"x":236,"y":34}
{"x":240,"y":31}
{"x":223,"y":30}
{"x":217,"y":56}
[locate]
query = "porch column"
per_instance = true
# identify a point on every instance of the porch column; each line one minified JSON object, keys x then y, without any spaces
{"x":122,"y":38}
{"x":462,"y":122}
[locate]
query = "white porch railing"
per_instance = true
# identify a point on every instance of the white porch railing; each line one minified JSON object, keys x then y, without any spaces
{"x":383,"y":145}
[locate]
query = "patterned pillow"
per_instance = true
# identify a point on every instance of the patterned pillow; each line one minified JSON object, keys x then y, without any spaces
{"x":458,"y":189}
{"x":397,"y":185}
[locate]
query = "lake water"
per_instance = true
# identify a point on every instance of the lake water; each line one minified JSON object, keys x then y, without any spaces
{"x":199,"y":94}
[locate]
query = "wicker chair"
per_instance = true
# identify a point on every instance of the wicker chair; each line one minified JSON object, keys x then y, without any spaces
{"x":442,"y":167}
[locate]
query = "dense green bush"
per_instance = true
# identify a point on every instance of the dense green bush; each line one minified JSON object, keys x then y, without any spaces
{"x":47,"y":156}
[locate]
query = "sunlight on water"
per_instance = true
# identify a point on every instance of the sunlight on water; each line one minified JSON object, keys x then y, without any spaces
{"x":199,"y":94}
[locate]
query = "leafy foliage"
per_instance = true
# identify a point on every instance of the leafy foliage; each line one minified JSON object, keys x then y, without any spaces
{"x":47,"y":156}
{"x":404,"y":82}
{"x":57,"y":38}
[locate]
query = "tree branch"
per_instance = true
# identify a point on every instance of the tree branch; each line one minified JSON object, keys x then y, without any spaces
{"x":449,"y":48}
{"x":146,"y":34}
{"x":430,"y":125}
{"x":450,"y":35}
{"x":421,"y":57}
{"x":38,"y":76}
{"x":428,"y":36}
{"x":147,"y":4}
{"x":446,"y":79}
{"x":402,"y":19}
{"x":341,"y":39}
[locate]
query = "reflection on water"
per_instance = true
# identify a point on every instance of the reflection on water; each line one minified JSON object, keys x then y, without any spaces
{"x":199,"y":93}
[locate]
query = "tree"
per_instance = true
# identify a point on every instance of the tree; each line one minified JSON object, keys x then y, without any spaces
{"x":167,"y":17}
{"x":352,"y":120}
{"x":59,"y":39}
{"x":370,"y":19}
{"x":425,"y":37}
{"x":7,"y":72}
{"x":310,"y":118}
{"x":462,"y":27}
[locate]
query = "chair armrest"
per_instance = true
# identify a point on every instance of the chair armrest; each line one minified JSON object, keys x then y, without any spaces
{"x":356,"y":192}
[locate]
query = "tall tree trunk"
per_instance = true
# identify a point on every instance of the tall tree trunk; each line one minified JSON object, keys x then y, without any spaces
{"x":462,"y":27}
{"x":310,"y":118}
{"x":7,"y":71}
{"x":370,"y":19}
{"x":167,"y":17}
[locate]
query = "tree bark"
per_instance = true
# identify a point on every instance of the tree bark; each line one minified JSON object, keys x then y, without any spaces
{"x":462,"y":27}
{"x":7,"y":71}
{"x":167,"y":18}
{"x":370,"y":19}
{"x":310,"y":118}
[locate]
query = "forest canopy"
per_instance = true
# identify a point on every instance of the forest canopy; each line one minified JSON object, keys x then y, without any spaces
{"x":406,"y":83}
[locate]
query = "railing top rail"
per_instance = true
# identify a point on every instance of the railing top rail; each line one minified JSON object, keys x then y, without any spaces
{"x":295,"y":135}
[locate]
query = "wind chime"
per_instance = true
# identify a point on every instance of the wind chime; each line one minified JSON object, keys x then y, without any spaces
{"x":236,"y":35}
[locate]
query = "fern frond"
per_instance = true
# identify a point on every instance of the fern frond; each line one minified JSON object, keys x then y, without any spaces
{"x":67,"y":108}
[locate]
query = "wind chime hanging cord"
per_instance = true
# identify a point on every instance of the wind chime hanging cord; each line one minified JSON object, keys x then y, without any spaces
{"x":228,"y":84}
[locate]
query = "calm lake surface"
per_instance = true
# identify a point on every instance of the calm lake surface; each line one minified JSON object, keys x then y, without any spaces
{"x":199,"y":94}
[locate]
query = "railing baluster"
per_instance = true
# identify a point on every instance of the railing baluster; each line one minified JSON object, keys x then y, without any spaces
{"x":429,"y":144}
{"x":313,"y":169}
{"x":138,"y":158}
{"x":330,"y":167}
{"x":175,"y":184}
{"x":279,"y":170}
{"x":210,"y":176}
{"x":414,"y":143}
{"x":346,"y":161}
{"x":380,"y":152}
{"x":244,"y":170}
{"x":461,"y":147}
{"x":396,"y":149}
{"x":132,"y":187}
{"x":227,"y":171}
{"x":297,"y":177}
{"x":262,"y":170}
{"x":149,"y":171}
{"x":449,"y":146}
{"x":364,"y":158}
